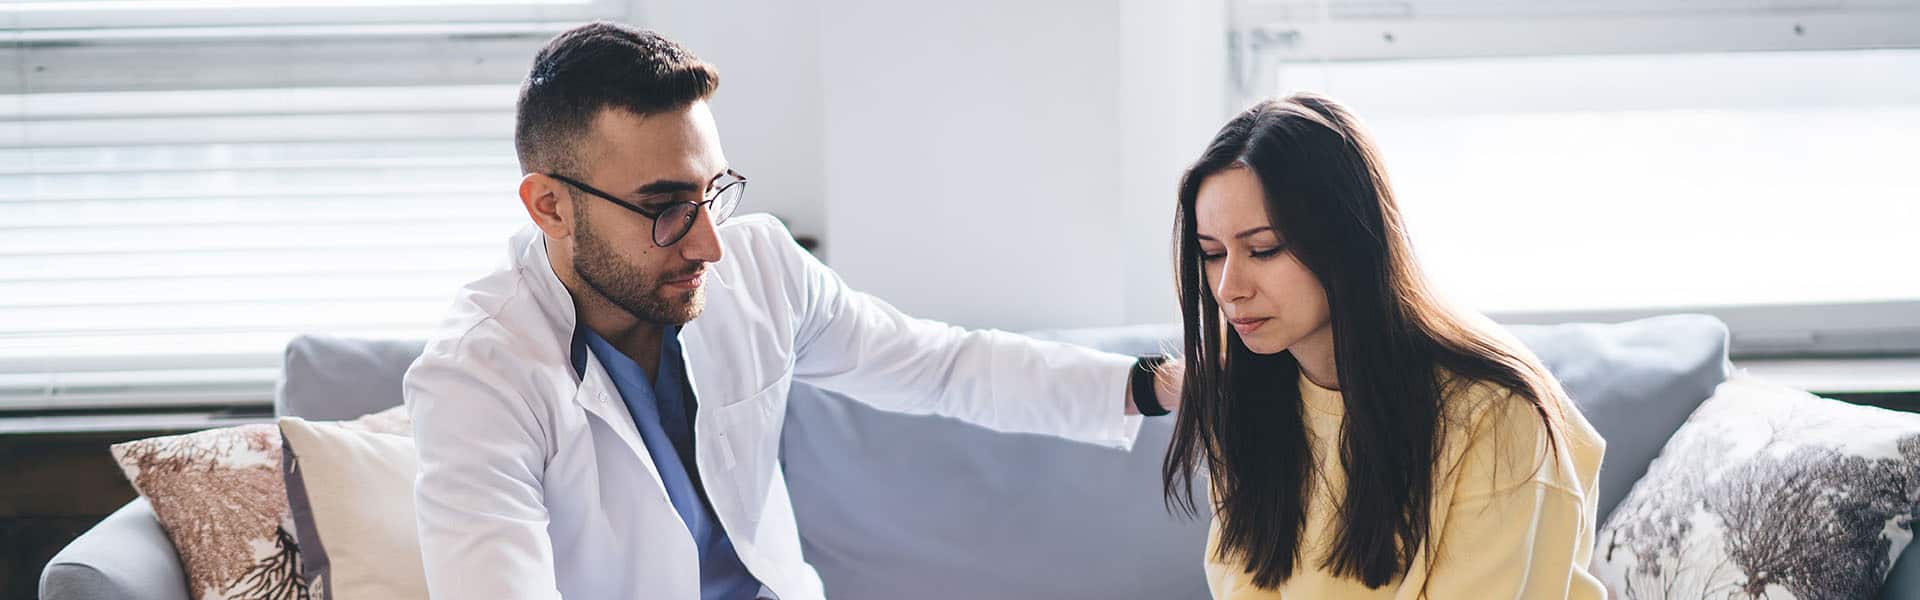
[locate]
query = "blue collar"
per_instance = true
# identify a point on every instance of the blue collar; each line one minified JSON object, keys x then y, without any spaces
{"x":579,"y":353}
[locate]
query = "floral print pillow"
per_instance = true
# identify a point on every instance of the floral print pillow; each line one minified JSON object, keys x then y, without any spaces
{"x":1768,"y":492}
{"x":220,"y":497}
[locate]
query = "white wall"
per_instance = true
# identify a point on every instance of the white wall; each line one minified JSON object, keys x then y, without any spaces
{"x":973,"y":158}
{"x":769,"y":104}
{"x":994,"y":164}
{"x":1174,"y":96}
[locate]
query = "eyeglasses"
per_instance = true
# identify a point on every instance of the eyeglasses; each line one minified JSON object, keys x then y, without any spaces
{"x":673,"y":222}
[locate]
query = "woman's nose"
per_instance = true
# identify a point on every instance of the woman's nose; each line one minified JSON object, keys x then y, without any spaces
{"x":1234,"y":286}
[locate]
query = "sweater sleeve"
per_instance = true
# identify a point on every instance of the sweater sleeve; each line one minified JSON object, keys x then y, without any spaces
{"x":1517,"y":520}
{"x":1521,"y":543}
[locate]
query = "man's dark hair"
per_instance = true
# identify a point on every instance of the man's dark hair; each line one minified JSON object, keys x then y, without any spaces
{"x":594,"y":67}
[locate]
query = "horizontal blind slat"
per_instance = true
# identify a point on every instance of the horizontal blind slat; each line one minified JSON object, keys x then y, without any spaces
{"x":242,"y":263}
{"x":371,"y":128}
{"x":428,"y":284}
{"x":237,"y":316}
{"x":371,"y":207}
{"x":192,"y":103}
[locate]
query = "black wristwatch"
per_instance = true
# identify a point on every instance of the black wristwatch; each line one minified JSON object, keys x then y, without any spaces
{"x":1145,"y":398}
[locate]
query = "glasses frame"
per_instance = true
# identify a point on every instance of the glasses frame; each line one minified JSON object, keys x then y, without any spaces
{"x":713,"y":193}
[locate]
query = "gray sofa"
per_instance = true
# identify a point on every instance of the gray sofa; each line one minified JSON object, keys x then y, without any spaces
{"x":892,"y":505}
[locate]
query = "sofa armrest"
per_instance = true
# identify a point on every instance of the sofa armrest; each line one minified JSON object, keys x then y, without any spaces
{"x":1903,"y":578}
{"x":125,"y":557}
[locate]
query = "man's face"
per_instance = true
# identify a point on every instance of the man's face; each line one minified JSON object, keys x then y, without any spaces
{"x":650,"y":161}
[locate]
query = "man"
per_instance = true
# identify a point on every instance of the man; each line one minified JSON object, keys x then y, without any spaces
{"x":582,"y":434}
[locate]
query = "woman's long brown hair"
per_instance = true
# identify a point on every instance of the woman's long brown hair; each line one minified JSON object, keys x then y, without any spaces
{"x":1241,"y":414}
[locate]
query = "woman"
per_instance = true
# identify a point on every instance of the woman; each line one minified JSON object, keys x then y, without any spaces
{"x":1362,"y":439}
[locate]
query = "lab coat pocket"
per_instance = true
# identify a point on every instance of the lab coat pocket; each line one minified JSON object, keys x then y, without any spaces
{"x":746,"y":443}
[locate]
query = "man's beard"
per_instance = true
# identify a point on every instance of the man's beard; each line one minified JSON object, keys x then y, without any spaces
{"x":634,"y":291}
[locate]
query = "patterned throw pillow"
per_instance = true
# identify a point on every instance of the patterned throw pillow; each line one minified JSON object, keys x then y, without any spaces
{"x":220,"y":497}
{"x":1768,"y":492}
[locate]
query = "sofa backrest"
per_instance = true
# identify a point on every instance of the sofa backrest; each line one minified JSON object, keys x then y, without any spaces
{"x":890,"y":504}
{"x":325,"y":378}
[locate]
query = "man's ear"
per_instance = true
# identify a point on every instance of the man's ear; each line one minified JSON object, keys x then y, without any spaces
{"x":549,"y":203}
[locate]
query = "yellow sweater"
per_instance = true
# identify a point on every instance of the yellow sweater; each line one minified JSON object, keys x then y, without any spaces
{"x":1501,"y":528}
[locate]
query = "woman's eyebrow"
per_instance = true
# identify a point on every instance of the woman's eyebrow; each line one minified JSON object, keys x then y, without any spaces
{"x":1243,"y":234}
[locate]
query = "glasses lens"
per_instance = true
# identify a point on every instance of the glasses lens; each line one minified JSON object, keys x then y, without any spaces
{"x":727,"y":200}
{"x":673,"y":224}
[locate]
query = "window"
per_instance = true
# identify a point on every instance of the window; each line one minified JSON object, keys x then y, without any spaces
{"x":1551,"y":178}
{"x":181,"y":192}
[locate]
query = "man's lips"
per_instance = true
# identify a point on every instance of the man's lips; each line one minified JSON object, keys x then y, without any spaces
{"x":689,"y":281}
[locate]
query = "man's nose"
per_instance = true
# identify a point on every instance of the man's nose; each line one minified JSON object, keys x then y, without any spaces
{"x":702,"y":243}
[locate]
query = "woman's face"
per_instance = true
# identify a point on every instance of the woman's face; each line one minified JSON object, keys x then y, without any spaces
{"x":1264,"y":292}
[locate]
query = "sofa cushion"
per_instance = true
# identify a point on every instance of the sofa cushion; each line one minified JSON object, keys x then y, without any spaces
{"x":327,"y":378}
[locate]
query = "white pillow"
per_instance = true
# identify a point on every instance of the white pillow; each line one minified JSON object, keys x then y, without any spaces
{"x":350,"y":494}
{"x":1768,"y":492}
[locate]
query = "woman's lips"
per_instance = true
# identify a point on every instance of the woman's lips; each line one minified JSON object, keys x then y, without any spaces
{"x":1245,"y":326}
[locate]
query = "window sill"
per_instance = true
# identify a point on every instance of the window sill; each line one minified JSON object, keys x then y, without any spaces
{"x":1839,"y":375}
{"x":159,"y":423}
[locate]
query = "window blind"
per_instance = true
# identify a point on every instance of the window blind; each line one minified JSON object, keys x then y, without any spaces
{"x":174,"y":209}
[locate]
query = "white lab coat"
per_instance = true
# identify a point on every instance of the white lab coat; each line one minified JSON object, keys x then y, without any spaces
{"x":534,"y":483}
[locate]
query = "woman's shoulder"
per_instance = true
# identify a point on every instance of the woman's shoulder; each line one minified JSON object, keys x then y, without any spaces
{"x":1470,"y":406}
{"x":1502,"y":439}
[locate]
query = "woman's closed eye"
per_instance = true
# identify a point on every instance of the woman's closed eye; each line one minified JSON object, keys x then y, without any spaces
{"x":1256,"y":253}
